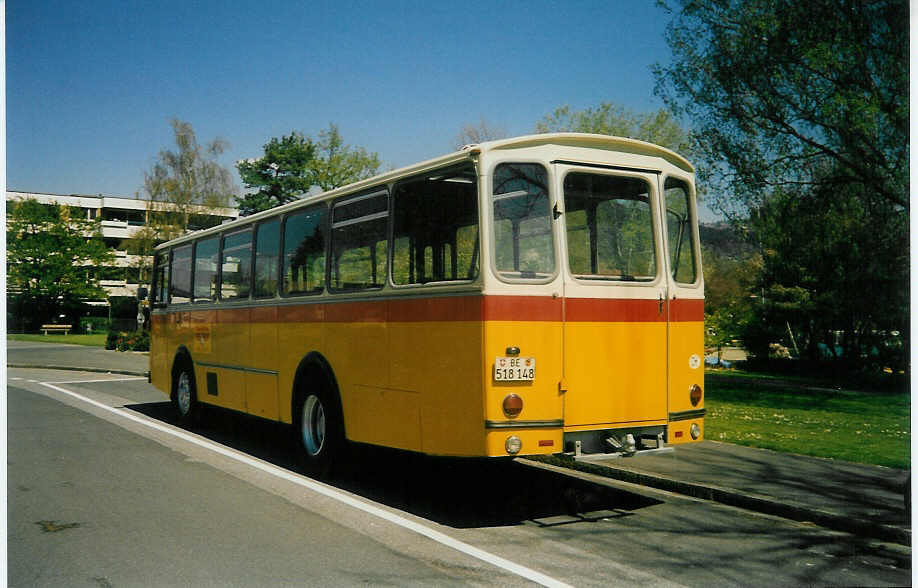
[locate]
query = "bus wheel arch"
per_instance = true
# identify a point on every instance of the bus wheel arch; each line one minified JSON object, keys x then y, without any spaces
{"x":184,"y":395}
{"x":318,"y":418}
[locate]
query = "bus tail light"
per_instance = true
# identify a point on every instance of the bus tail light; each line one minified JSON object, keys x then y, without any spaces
{"x":695,"y":431}
{"x":513,"y":444}
{"x":513,"y":406}
{"x":695,"y":394}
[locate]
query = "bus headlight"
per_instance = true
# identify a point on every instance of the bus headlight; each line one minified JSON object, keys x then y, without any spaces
{"x":695,"y":431}
{"x":513,"y":406}
{"x":695,"y":394}
{"x":513,"y":444}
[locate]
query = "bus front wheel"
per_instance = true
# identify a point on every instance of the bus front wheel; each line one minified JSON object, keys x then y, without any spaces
{"x":319,"y":432}
{"x":184,"y":394}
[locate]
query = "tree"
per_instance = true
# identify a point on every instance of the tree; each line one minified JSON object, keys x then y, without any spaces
{"x":472,"y":134}
{"x":835,"y":275}
{"x":800,"y":119}
{"x":611,"y":119}
{"x":780,"y":91}
{"x":732,"y":272}
{"x":337,"y":164}
{"x":52,"y":251}
{"x":284,"y":173}
{"x":185,"y":185}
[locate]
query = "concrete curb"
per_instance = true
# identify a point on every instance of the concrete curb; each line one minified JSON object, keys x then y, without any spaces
{"x":77,"y":369}
{"x":754,"y":502}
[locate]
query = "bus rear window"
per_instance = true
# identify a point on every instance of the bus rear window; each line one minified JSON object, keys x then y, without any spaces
{"x":609,"y":228}
{"x":523,"y":243}
{"x":679,"y":230}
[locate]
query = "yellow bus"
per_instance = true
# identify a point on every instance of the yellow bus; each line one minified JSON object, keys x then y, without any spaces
{"x":534,"y":295}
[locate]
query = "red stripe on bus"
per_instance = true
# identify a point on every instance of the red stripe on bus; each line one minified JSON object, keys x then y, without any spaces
{"x":686,"y":310}
{"x":613,"y":310}
{"x":448,"y":308}
{"x":522,"y":308}
{"x":459,"y":308}
{"x":233,"y":316}
{"x":302,"y":313}
{"x":356,"y":312}
{"x":263,"y":314}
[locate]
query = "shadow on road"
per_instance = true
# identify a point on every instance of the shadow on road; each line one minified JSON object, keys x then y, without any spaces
{"x":458,"y":492}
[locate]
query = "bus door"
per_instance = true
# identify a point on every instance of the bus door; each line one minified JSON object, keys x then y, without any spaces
{"x":615,"y":298}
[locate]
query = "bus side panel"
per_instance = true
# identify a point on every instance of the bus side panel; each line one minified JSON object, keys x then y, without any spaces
{"x":357,"y":344}
{"x":221,"y":337}
{"x":300,"y":331}
{"x":261,"y":388}
{"x":435,"y":352}
{"x":438,"y":362}
{"x":160,"y":358}
{"x":178,"y":333}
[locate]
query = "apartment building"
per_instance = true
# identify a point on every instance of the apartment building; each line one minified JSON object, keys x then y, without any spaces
{"x":121,"y":218}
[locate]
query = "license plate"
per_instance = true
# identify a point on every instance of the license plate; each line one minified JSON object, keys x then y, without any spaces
{"x":514,"y":369}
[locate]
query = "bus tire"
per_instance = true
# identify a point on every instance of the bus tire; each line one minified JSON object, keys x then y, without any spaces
{"x":318,"y":429}
{"x":184,"y":392}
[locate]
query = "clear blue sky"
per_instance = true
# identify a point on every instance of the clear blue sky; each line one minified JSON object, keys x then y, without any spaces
{"x":91,"y":85}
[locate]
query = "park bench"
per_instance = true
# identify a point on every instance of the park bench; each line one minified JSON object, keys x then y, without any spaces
{"x":57,"y":328}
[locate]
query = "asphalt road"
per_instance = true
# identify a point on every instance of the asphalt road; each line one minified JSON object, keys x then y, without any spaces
{"x":104,"y":490}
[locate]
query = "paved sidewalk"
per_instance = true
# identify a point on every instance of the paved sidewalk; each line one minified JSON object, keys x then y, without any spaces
{"x":27,"y":354}
{"x":863,"y":499}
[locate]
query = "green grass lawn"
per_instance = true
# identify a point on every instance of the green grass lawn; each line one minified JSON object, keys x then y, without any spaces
{"x":95,"y":340}
{"x":864,"y":427}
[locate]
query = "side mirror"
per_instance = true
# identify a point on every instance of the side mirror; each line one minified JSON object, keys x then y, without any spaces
{"x":142,"y":293}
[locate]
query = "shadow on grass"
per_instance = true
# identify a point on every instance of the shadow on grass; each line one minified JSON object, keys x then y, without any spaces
{"x":458,"y":492}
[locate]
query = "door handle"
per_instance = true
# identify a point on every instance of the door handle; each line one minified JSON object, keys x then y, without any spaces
{"x":660,"y":309}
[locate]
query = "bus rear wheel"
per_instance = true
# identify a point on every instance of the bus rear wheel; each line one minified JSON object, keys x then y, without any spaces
{"x":319,"y":432}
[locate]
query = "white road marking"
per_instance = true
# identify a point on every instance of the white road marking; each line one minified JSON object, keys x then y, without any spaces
{"x":328,"y":492}
{"x":100,"y":380}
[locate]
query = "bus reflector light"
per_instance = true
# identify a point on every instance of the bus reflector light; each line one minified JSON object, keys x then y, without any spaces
{"x":678,"y":433}
{"x":695,"y":394}
{"x":513,"y":445}
{"x":695,"y":431}
{"x":513,"y":406}
{"x":546,"y":443}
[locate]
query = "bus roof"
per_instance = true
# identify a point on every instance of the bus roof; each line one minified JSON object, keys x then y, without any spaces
{"x":585,"y":140}
{"x":593,"y":141}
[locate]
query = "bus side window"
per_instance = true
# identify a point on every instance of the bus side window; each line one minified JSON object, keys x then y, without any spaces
{"x":160,"y":292}
{"x":359,"y":242}
{"x":180,"y":272}
{"x":206,"y":253}
{"x":236,"y":264}
{"x":267,"y":246}
{"x":304,"y":252}
{"x":435,"y":228}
